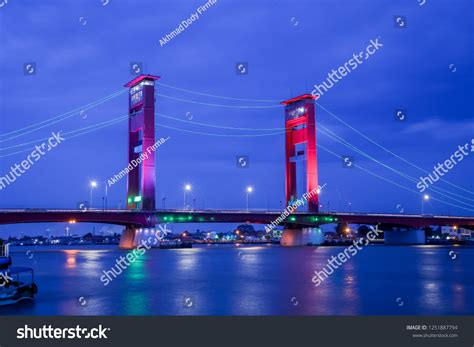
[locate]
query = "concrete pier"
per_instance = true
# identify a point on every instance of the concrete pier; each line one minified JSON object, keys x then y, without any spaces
{"x":405,"y":237}
{"x":133,"y":237}
{"x":302,"y":237}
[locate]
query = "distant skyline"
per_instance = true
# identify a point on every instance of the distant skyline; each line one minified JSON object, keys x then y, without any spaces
{"x":268,"y":50}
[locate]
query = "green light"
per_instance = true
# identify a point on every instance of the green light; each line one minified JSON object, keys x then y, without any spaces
{"x":129,"y":199}
{"x":165,"y":218}
{"x":292,"y":219}
{"x":138,"y":198}
{"x":190,"y":217}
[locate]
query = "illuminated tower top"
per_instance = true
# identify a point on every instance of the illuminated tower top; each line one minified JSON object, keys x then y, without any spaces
{"x":140,"y":78}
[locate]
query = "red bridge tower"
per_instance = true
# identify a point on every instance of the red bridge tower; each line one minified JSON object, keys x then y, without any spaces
{"x":301,"y":160}
{"x":141,"y":135}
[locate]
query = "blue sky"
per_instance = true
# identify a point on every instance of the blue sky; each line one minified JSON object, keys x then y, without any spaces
{"x":83,"y":50}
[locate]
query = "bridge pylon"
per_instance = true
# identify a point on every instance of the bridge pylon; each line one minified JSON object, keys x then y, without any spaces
{"x":301,"y":166}
{"x":141,"y":138}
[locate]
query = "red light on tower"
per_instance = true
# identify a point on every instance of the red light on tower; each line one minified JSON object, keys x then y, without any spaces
{"x":300,"y":154}
{"x":141,"y":135}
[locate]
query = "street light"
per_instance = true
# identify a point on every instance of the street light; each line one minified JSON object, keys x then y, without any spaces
{"x":249,"y":190}
{"x":187,"y":188}
{"x":106,"y":194}
{"x":426,"y":197}
{"x":93,"y":184}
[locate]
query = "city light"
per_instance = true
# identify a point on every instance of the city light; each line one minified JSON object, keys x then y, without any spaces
{"x":249,"y":190}
{"x":426,"y":197}
{"x":187,"y":188}
{"x":93,"y":184}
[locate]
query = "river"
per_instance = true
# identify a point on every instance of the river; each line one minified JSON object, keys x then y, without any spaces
{"x":249,"y":280}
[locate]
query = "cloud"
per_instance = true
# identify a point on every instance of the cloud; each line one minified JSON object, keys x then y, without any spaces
{"x":441,"y":129}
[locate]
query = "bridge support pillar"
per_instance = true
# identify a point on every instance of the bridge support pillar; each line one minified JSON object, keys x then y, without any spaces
{"x":133,"y":237}
{"x":128,"y":237}
{"x":404,"y":237}
{"x":302,"y":237}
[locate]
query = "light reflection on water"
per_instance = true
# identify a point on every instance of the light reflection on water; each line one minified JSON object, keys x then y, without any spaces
{"x":250,"y":280}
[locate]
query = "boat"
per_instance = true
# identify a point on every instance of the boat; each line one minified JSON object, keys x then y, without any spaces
{"x":172,"y":244}
{"x":16,"y":283}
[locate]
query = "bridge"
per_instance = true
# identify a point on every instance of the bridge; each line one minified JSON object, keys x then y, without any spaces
{"x":138,"y":220}
{"x":301,"y":226}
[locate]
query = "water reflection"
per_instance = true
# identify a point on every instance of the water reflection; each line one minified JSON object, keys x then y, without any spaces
{"x":243,"y":280}
{"x":71,"y":258}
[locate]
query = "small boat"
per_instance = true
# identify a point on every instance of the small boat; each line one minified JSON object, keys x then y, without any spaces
{"x":17,"y":284}
{"x":172,"y":244}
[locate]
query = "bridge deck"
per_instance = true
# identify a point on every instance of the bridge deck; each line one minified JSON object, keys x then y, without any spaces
{"x":151,"y":218}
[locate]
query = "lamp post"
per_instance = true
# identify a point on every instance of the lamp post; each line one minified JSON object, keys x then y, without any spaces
{"x":426,"y":197}
{"x":187,"y":188}
{"x":93,"y":184}
{"x":106,"y":194}
{"x":248,"y":190}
